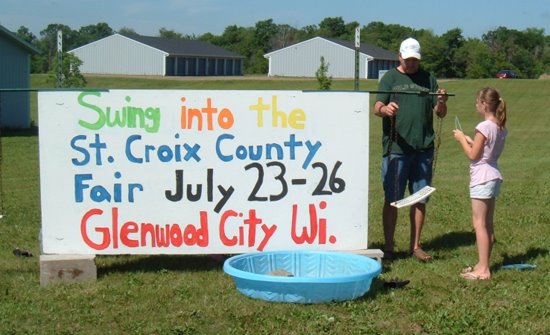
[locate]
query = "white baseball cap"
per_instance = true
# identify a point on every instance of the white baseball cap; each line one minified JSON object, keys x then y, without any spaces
{"x":410,"y":48}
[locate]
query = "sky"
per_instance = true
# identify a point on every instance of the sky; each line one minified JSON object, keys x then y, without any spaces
{"x":196,"y":17}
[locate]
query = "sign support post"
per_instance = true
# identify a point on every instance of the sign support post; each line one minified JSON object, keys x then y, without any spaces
{"x":357,"y":46}
{"x":59,"y":58}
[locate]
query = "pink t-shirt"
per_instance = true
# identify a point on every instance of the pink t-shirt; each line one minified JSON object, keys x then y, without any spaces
{"x":485,"y":168}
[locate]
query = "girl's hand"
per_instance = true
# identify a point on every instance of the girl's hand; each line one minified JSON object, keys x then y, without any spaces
{"x":459,"y":135}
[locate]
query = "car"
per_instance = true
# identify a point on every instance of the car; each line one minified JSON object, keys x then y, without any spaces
{"x":502,"y":74}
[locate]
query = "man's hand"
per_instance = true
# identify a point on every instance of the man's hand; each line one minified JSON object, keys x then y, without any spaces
{"x":440,"y":108}
{"x":389,"y":110}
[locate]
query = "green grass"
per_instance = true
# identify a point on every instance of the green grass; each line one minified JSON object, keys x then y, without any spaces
{"x":192,"y":295}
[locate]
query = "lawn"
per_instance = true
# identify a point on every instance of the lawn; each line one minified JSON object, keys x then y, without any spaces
{"x":192,"y":295}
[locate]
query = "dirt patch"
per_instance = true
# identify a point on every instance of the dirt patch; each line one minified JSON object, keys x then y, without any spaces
{"x":544,"y":76}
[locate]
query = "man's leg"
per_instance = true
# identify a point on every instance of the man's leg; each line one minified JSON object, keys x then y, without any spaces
{"x":417,"y":215}
{"x":394,"y":183}
{"x":389,"y":220}
{"x":421,"y":176}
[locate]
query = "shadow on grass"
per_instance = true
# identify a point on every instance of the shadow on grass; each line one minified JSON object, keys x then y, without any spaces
{"x":523,"y":258}
{"x":448,"y":241}
{"x":376,"y":289}
{"x":155,"y":263}
{"x":451,"y":241}
{"x":30,"y":132}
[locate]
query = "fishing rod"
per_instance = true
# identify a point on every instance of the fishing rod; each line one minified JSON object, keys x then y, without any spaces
{"x":54,"y":89}
{"x":419,"y":93}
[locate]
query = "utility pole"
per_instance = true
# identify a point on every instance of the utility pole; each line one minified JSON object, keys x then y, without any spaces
{"x":59,"y":58}
{"x":357,"y":45}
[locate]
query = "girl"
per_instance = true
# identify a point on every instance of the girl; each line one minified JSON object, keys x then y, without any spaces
{"x":485,"y":178}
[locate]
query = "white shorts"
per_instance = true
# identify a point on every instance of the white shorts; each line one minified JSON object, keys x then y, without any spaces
{"x":488,"y":190}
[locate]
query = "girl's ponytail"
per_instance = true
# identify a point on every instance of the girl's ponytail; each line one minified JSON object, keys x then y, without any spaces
{"x":500,"y":113}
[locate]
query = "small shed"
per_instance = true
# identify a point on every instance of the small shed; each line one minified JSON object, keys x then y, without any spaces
{"x":15,"y":69}
{"x":157,"y":56}
{"x":304,"y":58}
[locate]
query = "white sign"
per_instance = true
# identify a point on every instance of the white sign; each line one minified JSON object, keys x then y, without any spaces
{"x":192,"y":172}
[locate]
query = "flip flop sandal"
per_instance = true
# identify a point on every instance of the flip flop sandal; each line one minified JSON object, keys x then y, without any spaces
{"x":519,"y":266}
{"x":474,"y":276}
{"x":22,"y":253}
{"x":396,"y":283}
{"x":421,"y":255}
{"x":467,"y":269}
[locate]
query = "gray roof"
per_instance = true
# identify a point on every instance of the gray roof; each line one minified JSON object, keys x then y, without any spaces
{"x":183,"y":47}
{"x":368,"y":49}
{"x":19,"y":41}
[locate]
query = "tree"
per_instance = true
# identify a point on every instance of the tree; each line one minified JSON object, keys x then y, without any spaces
{"x":530,"y":56}
{"x":321,"y":74}
{"x":285,"y":36}
{"x":240,"y":40}
{"x":350,"y":31}
{"x":332,"y":27}
{"x":92,"y":33}
{"x":449,"y":55}
{"x":24,"y":34}
{"x":387,"y":36}
{"x":307,"y":32}
{"x":70,"y":72}
{"x":163,"y":32}
{"x":545,"y":59}
{"x":264,"y":31}
{"x":519,"y":50}
{"x":127,"y":31}
{"x":479,"y":61}
{"x":237,"y":39}
{"x":440,"y":55}
{"x":48,"y":44}
{"x":36,"y":60}
{"x":453,"y":65}
{"x":433,"y":50}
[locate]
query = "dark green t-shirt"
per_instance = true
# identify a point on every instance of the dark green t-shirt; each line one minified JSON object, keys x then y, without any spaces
{"x":414,"y":122}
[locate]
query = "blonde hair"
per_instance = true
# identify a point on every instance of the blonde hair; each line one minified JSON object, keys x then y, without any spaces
{"x":495,"y":103}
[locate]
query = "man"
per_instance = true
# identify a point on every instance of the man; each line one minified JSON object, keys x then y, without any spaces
{"x":408,"y":140}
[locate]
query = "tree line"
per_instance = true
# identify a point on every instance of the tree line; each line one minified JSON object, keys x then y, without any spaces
{"x":450,"y":55}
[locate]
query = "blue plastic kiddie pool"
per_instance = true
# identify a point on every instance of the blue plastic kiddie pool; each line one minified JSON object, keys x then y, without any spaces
{"x":302,"y":276}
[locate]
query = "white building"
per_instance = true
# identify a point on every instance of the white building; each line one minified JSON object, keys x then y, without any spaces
{"x":157,"y":56}
{"x":303,"y":59}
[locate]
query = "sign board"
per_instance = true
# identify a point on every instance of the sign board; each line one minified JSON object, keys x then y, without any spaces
{"x":194,"y":172}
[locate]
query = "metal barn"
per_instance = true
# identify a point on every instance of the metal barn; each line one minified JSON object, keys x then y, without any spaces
{"x":303,"y":59}
{"x":15,"y":65}
{"x":157,"y":56}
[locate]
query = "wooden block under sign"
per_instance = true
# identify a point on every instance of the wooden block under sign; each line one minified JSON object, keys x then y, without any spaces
{"x":67,"y":269}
